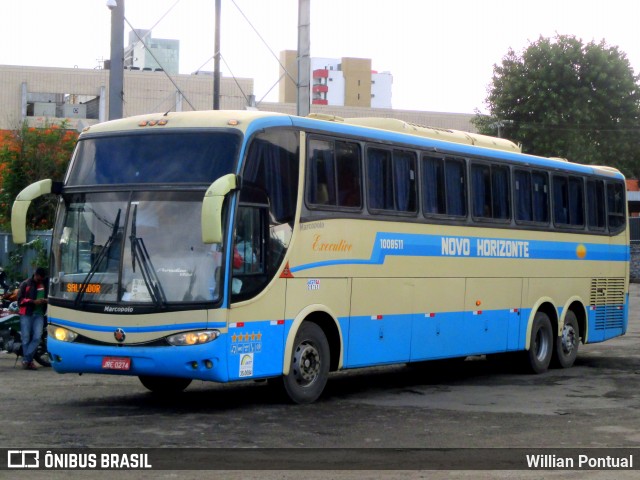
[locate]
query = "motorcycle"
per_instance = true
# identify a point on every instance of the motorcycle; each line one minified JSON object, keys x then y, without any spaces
{"x":11,"y":340}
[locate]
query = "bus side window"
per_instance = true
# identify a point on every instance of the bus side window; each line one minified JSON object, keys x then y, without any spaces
{"x":392,"y":180}
{"x":380,"y":177}
{"x":404,"y":166}
{"x":456,"y":187}
{"x":433,"y":186}
{"x":322,"y":173}
{"x":568,"y":198}
{"x":540,"y":184}
{"x":616,"y":206}
{"x":596,"y":205}
{"x":524,"y":212}
{"x":560,"y":200}
{"x":481,"y":178}
{"x":349,"y":175}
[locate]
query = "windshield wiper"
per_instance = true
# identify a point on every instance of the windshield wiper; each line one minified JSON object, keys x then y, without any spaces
{"x":96,"y":263}
{"x":139,"y":252}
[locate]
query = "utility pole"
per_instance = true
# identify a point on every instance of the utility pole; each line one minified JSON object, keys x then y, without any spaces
{"x":304,"y":60}
{"x":216,"y":60}
{"x":116,"y":62}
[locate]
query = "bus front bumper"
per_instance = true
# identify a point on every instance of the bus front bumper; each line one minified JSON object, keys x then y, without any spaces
{"x":204,"y":362}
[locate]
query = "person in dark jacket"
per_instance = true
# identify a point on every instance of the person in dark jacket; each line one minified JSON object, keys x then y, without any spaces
{"x":32,"y":301}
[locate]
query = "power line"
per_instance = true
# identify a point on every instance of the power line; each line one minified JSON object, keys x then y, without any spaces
{"x":154,"y":25}
{"x":265,"y":43}
{"x":163,"y":69}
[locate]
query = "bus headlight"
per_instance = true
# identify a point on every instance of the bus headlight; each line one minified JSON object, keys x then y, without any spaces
{"x":60,"y":333}
{"x":193,"y":338}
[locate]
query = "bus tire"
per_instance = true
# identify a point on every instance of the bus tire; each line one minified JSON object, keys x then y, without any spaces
{"x":309,"y":369}
{"x":538,"y":357}
{"x":164,"y":385}
{"x":566,"y":345}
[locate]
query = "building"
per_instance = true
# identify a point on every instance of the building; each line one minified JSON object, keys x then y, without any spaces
{"x":80,"y":97}
{"x":152,"y":54}
{"x":348,"y":82}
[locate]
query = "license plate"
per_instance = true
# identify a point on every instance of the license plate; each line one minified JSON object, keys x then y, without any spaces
{"x":116,"y":363}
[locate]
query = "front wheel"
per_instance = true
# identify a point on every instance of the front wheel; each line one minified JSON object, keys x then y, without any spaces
{"x":566,"y":345}
{"x":538,"y":357}
{"x":309,"y":369}
{"x":164,"y":385}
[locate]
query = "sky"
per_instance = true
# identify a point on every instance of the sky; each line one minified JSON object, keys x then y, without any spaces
{"x":441,"y":53}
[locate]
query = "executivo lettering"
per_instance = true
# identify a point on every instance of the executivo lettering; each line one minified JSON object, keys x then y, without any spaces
{"x":484,"y":247}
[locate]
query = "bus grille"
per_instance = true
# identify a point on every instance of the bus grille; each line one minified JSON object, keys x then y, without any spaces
{"x":607,"y":298}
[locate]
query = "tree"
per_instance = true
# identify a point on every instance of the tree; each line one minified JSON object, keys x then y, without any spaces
{"x":562,"y":98}
{"x":26,"y":156}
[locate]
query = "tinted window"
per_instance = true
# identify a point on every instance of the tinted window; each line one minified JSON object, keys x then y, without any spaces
{"x":596,"y":205}
{"x":272,"y":164}
{"x":616,"y":207}
{"x":334,"y":174}
{"x":568,"y":198}
{"x":490,"y":191}
{"x":392,"y":180}
{"x":524,"y":209}
{"x":443,"y":184}
{"x":531,"y":194}
{"x":165,"y":157}
{"x":540,"y":197}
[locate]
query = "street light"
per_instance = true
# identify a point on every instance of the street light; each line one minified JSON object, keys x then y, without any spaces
{"x":116,"y":62}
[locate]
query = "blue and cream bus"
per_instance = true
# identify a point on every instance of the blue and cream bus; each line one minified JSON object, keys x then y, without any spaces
{"x":234,"y":245}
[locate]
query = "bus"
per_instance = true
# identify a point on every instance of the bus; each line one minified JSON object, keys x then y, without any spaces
{"x":243,"y":245}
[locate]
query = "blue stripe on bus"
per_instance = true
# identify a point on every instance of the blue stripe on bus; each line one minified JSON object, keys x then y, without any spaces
{"x":131,"y":329}
{"x":415,"y":245}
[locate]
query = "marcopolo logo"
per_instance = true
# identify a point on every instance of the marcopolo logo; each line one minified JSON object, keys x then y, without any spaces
{"x":23,"y":459}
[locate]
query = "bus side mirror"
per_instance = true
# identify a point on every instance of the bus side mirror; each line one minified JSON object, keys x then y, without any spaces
{"x":21,"y":206}
{"x":211,"y":219}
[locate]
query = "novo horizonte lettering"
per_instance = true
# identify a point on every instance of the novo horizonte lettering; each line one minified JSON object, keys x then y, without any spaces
{"x":484,"y":247}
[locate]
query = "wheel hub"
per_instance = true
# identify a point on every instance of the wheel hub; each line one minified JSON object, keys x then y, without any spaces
{"x":568,"y":339}
{"x":306,"y":364}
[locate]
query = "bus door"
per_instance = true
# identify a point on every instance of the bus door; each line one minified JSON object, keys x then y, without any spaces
{"x":255,"y":342}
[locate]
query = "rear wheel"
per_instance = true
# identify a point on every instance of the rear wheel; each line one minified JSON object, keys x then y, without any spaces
{"x":566,"y":345}
{"x":165,"y":385}
{"x":538,"y":357}
{"x":309,"y":369}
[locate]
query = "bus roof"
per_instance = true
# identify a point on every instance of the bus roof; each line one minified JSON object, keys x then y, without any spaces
{"x":388,"y":130}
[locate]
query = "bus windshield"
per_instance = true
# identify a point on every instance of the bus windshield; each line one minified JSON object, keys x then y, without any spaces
{"x":166,"y":158}
{"x":113,"y":248}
